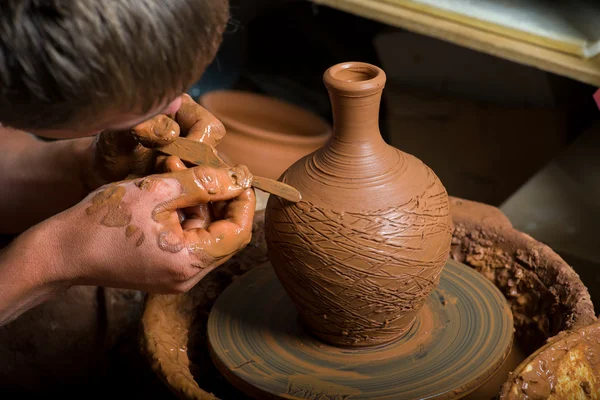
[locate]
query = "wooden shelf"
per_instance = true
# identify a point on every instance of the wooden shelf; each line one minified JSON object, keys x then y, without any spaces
{"x":561,"y":52}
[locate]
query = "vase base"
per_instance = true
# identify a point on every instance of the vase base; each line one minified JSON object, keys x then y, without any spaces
{"x":366,"y":342}
{"x":459,"y":339}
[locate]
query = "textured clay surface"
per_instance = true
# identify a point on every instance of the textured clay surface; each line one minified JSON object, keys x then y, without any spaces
{"x":545,"y":294}
{"x":173,"y":329}
{"x":183,"y":323}
{"x":567,"y":368}
{"x":366,"y":245}
{"x":460,"y":338}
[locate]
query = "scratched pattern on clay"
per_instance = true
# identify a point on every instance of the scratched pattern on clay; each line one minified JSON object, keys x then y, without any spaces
{"x":360,"y":276}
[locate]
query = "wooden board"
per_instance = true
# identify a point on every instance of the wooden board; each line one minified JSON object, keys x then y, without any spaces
{"x":470,"y":36}
{"x":568,"y":26}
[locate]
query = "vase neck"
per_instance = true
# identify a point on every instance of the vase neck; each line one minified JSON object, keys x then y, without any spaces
{"x":356,"y":119}
{"x":356,"y":156}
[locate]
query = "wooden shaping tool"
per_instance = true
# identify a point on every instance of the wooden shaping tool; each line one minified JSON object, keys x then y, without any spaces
{"x":202,"y":154}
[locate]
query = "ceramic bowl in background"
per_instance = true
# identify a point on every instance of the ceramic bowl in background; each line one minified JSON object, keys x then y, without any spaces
{"x":264,"y":133}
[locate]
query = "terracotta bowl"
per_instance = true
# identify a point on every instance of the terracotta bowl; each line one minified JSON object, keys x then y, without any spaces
{"x":568,"y":367}
{"x":546,"y":296}
{"x":263,"y":133}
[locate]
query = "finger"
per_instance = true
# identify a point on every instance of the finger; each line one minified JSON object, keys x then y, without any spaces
{"x":201,"y":185}
{"x":197,"y":123}
{"x":227,"y":236}
{"x":166,"y":163}
{"x":219,"y":209}
{"x":198,"y":217}
{"x":141,"y":160}
{"x":157,"y":131}
{"x":194,"y":217}
{"x":160,"y":166}
{"x":200,"y":270}
{"x":173,"y":164}
{"x":117,"y":155}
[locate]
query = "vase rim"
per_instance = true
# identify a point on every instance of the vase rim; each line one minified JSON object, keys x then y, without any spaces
{"x":354,"y":79}
{"x":220,"y":103}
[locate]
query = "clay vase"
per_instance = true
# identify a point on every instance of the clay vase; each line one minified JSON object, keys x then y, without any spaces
{"x":364,"y":248}
{"x":263,"y":133}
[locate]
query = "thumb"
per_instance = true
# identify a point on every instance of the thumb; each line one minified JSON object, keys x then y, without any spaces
{"x":157,"y":131}
{"x":201,"y":185}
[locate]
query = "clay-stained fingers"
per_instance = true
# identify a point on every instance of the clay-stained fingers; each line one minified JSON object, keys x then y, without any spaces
{"x":224,"y":237}
{"x":157,"y":131}
{"x":115,"y":143}
{"x":166,"y":163}
{"x":218,"y":209}
{"x":201,"y":185}
{"x":192,"y":217}
{"x":197,"y":123}
{"x":117,"y":155}
{"x":198,"y":217}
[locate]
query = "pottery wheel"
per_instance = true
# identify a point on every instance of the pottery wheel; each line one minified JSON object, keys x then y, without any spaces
{"x":459,"y":339}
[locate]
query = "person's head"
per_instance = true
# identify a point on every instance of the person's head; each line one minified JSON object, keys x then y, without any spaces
{"x":72,"y":68}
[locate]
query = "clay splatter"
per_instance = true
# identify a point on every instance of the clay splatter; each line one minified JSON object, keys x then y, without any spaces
{"x":110,"y":201}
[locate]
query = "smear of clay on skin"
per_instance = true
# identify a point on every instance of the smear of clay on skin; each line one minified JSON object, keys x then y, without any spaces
{"x":111,"y":200}
{"x":131,"y":230}
{"x":168,"y":241}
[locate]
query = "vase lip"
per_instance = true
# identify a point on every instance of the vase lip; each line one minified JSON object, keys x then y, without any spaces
{"x":354,"y":79}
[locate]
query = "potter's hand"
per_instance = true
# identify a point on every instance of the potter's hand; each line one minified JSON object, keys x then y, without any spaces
{"x":118,"y":154}
{"x":133,"y":234}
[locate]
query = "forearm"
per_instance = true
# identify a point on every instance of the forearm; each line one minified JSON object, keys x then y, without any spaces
{"x":37,"y":179}
{"x":28,"y":273}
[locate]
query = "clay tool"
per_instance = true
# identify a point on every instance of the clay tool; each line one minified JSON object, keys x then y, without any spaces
{"x":202,"y":154}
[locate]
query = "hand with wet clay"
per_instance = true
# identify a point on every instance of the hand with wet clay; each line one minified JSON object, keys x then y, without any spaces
{"x":45,"y":178}
{"x":135,"y":234}
{"x":117,"y":154}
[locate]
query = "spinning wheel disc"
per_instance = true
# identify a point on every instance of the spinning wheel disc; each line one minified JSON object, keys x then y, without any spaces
{"x":460,"y":338}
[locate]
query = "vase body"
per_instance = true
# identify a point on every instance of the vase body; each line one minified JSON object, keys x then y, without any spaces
{"x":264,"y":133}
{"x":366,"y":245}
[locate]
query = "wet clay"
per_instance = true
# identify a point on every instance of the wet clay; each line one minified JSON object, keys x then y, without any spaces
{"x":489,"y":390}
{"x":110,"y":201}
{"x":460,"y":337}
{"x":173,"y":334}
{"x":366,"y":245}
{"x":179,"y":322}
{"x":198,"y":153}
{"x":568,"y":367}
{"x":545,"y":294}
{"x":134,"y":232}
{"x":193,"y":187}
{"x":199,"y":123}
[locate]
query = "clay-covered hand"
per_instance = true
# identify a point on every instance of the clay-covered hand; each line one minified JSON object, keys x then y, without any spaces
{"x":133,"y":234}
{"x":114,"y":155}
